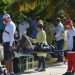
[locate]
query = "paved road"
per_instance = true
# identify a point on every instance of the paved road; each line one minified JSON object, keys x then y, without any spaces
{"x":55,"y":69}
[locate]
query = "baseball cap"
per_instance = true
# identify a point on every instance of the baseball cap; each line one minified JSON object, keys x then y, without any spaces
{"x":69,"y":22}
{"x":40,"y":22}
{"x":5,"y":16}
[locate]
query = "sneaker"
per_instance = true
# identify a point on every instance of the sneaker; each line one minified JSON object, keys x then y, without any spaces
{"x":68,"y":73}
{"x":42,"y":70}
{"x":37,"y":69}
{"x":59,"y":60}
{"x":12,"y":73}
{"x":73,"y":73}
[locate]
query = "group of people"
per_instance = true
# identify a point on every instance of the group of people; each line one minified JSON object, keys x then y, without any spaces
{"x":64,"y":34}
{"x":65,"y":42}
{"x":8,"y":40}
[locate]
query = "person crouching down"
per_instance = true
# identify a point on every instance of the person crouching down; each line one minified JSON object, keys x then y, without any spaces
{"x":40,"y":39}
{"x":70,"y":33}
{"x":8,"y":39}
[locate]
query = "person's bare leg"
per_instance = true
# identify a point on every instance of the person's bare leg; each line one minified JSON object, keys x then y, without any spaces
{"x":9,"y":66}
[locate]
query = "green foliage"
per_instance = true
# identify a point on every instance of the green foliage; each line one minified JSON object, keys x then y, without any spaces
{"x":4,"y":4}
{"x":43,"y":8}
{"x":72,"y":3}
{"x":7,"y":1}
{"x":40,"y":6}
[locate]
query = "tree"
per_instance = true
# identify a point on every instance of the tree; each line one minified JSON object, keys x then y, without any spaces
{"x":4,"y":4}
{"x":46,"y":9}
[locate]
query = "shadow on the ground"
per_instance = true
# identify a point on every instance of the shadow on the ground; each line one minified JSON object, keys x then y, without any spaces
{"x":54,"y":64}
{"x":47,"y":66}
{"x":26,"y":72}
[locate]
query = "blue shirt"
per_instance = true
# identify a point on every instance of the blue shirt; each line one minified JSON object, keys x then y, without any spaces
{"x":59,"y":30}
{"x":34,"y":28}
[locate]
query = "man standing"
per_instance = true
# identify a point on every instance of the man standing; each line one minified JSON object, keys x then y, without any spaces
{"x":58,"y":32}
{"x":8,"y":39}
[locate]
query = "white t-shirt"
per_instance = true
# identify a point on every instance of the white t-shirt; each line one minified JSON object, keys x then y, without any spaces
{"x":8,"y":34}
{"x":69,"y":38}
{"x":23,"y":28}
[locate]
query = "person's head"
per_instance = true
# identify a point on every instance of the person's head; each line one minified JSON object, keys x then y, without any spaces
{"x":69,"y":24}
{"x":40,"y":25}
{"x":6,"y":18}
{"x":57,"y":21}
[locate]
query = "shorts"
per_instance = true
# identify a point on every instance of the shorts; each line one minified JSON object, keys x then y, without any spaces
{"x":8,"y":52}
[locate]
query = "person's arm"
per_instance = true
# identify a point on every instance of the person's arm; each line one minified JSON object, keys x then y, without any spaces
{"x":73,"y":32}
{"x":65,"y":40}
{"x":36,"y":40}
{"x":41,"y":38}
{"x":12,"y":31}
{"x":60,"y":32}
